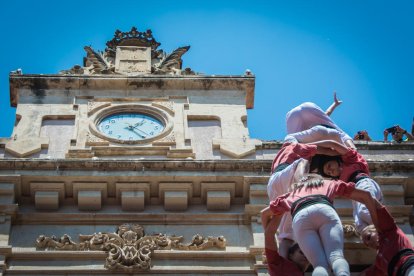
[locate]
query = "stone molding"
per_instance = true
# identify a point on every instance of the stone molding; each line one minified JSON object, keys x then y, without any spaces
{"x":256,"y":166}
{"x":95,"y":84}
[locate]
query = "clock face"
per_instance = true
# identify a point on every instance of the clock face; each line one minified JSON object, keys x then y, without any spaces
{"x":129,"y":126}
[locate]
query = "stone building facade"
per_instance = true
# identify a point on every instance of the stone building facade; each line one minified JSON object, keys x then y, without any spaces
{"x":132,"y":164}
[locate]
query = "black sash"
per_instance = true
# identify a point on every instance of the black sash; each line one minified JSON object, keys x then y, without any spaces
{"x":281,"y":167}
{"x":397,"y":257}
{"x":327,"y":126}
{"x":357,"y":176}
{"x":308,"y":201}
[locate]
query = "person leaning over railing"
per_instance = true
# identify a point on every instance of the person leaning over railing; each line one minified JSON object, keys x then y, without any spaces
{"x":397,"y":134}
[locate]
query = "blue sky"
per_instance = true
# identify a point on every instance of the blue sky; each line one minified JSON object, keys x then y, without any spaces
{"x":299,"y":51}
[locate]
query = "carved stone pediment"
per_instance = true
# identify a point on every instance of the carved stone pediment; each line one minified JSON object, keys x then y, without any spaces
{"x":129,"y":249}
{"x":131,"y":53}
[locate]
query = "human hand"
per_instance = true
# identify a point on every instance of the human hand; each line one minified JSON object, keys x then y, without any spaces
{"x":330,"y":146}
{"x":336,"y":101}
{"x":266,"y":215}
{"x":362,"y":273}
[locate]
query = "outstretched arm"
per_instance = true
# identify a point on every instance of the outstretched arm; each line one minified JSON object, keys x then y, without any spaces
{"x":333,"y":106}
{"x":385,"y":135}
{"x":330,"y":147}
{"x":365,"y":198}
{"x":406,"y":133}
{"x":270,"y":223}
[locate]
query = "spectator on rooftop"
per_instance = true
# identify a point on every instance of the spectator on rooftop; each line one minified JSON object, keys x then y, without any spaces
{"x":397,"y":134}
{"x":362,"y":135}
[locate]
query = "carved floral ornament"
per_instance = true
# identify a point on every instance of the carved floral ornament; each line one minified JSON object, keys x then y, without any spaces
{"x":149,"y":60}
{"x":129,"y":249}
{"x":349,"y":230}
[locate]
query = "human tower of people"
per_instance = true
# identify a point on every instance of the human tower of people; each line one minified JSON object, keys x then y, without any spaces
{"x":317,"y":163}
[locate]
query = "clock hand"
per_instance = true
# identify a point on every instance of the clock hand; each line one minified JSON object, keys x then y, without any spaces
{"x":140,"y":123}
{"x":140,"y":130}
{"x":131,"y":128}
{"x":140,"y":135}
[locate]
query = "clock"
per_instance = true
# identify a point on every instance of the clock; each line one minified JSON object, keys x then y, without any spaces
{"x":130,"y":126}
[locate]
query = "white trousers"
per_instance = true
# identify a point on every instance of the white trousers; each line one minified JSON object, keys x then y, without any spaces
{"x":318,"y":231}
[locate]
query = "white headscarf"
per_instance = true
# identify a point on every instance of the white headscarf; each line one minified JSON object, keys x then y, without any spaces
{"x":308,"y":115}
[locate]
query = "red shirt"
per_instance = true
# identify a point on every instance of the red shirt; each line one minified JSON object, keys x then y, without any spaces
{"x":352,"y":162}
{"x":330,"y":189}
{"x":289,"y":152}
{"x":279,"y":266}
{"x":391,"y":241}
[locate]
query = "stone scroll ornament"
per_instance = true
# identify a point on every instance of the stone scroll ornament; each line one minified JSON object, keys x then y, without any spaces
{"x":349,"y":230}
{"x":129,"y":249}
{"x":103,"y":62}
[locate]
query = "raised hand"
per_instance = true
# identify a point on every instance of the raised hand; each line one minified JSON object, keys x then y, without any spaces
{"x":336,"y":101}
{"x":334,"y":105}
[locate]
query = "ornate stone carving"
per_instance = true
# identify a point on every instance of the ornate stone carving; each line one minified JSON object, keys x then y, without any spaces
{"x":349,"y":230}
{"x":129,"y":249}
{"x":172,"y":63}
{"x":168,"y":140}
{"x":106,"y":62}
{"x":133,"y":38}
{"x":95,"y":106}
{"x":75,"y":70}
{"x":165,"y":105}
{"x":63,"y":243}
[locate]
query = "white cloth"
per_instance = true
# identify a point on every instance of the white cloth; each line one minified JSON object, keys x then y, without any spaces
{"x":360,"y":212}
{"x":315,"y":134}
{"x":308,"y":115}
{"x":410,"y":271}
{"x":319,"y":233}
{"x":279,"y":183}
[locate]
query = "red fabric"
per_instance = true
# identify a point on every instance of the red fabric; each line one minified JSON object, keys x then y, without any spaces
{"x":331,"y":189}
{"x":279,"y":266}
{"x":391,"y":241}
{"x":293,"y":151}
{"x":352,"y":161}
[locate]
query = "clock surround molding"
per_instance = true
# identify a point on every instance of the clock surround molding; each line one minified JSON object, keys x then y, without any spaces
{"x":140,"y":108}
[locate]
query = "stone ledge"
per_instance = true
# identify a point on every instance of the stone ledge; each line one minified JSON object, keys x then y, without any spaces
{"x":27,"y":254}
{"x":170,"y":218}
{"x":259,"y":167}
{"x":155,"y":270}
